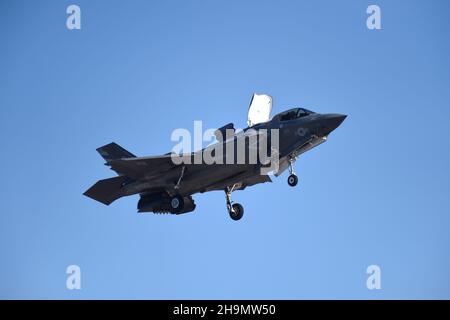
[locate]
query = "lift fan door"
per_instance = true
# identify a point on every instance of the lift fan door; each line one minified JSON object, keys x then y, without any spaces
{"x":259,"y":110}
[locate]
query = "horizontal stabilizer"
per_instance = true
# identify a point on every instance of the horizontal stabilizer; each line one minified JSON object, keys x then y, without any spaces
{"x":113,"y":151}
{"x":107,"y":190}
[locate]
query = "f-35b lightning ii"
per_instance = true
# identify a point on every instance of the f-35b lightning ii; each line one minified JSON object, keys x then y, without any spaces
{"x":166,"y":186}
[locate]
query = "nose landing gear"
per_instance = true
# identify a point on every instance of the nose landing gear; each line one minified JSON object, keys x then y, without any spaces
{"x":235,"y":210}
{"x":292,"y":179}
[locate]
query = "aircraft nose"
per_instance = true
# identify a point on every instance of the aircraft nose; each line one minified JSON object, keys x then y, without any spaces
{"x":331,"y":122}
{"x":338,"y":119}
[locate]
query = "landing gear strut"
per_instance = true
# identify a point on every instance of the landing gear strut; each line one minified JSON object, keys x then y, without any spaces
{"x":292,"y":179}
{"x":176,"y":202}
{"x":235,"y":210}
{"x":177,"y":186}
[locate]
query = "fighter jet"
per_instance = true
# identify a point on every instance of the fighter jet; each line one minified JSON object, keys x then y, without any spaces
{"x":166,"y":186}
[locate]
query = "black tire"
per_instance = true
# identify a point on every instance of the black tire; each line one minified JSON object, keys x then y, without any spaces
{"x":176,"y":204}
{"x":237,"y":212}
{"x":292,"y":180}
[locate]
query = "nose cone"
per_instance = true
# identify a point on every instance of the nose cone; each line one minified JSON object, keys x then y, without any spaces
{"x":331,"y":121}
{"x":337,"y":119}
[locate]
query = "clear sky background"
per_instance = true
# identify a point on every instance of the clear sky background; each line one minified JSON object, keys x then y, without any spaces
{"x":376,"y":193}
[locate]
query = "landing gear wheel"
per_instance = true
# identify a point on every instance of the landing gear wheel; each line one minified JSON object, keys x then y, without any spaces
{"x":236,"y":212}
{"x":292,"y":180}
{"x":176,"y":204}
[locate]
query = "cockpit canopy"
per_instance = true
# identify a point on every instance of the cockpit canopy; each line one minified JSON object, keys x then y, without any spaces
{"x":293,"y":114}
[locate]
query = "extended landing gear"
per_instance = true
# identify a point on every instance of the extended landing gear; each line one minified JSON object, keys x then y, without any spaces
{"x":292,"y":179}
{"x":235,"y":210}
{"x":176,"y":204}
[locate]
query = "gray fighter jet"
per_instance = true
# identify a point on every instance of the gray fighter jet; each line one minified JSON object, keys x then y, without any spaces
{"x":167,"y":186}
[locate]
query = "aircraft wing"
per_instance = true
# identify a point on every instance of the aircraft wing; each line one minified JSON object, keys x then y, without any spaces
{"x":147,"y":167}
{"x":137,"y":168}
{"x":254,"y":180}
{"x":242,"y":184}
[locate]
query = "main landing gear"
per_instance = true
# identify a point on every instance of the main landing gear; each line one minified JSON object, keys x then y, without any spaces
{"x":235,"y":210}
{"x":176,"y":204}
{"x":292,"y":179}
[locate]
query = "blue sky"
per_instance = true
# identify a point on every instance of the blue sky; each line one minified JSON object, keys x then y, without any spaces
{"x":375,"y":193}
